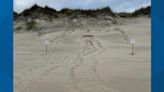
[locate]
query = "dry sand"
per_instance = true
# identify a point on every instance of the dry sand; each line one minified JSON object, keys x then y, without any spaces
{"x":81,"y":60}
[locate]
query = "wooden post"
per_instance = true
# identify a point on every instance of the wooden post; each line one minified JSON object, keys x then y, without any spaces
{"x":46,"y":49}
{"x":132,"y":49}
{"x":132,"y":42}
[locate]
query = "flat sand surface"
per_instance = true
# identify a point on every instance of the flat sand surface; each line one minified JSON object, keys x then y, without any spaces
{"x":81,"y":60}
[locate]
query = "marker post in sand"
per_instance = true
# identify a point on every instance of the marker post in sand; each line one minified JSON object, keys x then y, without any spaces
{"x":132,"y":42}
{"x":46,"y":42}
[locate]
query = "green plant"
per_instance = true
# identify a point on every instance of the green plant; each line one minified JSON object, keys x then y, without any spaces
{"x":31,"y":25}
{"x":18,"y":28}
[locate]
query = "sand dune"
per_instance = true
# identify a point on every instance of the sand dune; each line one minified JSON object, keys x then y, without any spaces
{"x":95,"y":59}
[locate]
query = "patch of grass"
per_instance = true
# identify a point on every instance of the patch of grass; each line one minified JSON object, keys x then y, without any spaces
{"x":18,"y":28}
{"x":144,"y":11}
{"x":31,"y":25}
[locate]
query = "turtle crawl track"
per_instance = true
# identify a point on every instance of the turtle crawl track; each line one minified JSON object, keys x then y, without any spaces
{"x":88,"y":49}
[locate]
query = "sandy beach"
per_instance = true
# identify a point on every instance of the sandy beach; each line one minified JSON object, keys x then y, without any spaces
{"x":84,"y":59}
